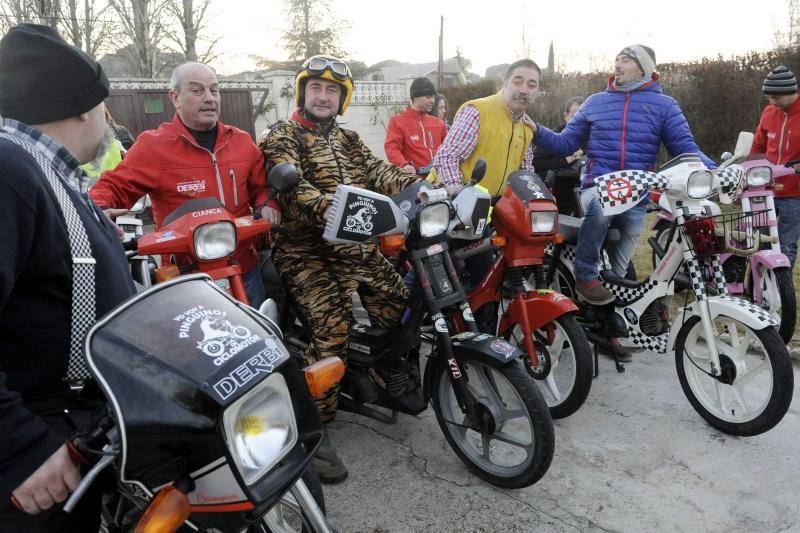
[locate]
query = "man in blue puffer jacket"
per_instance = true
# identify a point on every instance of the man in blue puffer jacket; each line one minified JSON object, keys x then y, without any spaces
{"x":622,"y":128}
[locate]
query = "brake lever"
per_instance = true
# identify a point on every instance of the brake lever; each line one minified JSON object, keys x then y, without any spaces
{"x":89,"y":478}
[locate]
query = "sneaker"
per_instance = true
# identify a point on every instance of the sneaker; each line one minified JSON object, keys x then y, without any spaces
{"x":329,"y":467}
{"x":593,"y":292}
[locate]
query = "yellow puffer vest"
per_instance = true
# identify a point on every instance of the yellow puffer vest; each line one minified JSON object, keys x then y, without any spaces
{"x":501,"y":142}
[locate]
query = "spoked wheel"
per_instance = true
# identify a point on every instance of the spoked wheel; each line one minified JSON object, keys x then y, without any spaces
{"x":564,"y":282}
{"x":514,"y":447}
{"x":755,"y":388}
{"x":569,"y":376}
{"x":778,"y":298}
{"x":287,"y":515}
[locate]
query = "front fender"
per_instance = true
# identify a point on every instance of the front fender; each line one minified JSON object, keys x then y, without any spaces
{"x":540,"y":307}
{"x":745,"y":312}
{"x":770,"y":259}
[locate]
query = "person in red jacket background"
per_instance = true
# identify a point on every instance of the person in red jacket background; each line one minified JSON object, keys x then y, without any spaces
{"x":413,"y":136}
{"x":774,"y":139}
{"x":194,"y":156}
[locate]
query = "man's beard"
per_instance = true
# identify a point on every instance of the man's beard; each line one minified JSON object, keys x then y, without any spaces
{"x":109,"y":138}
{"x":319,"y":120}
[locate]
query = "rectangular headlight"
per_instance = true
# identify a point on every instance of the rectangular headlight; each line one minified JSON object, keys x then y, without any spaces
{"x":543,"y":221}
{"x":260,"y":428}
{"x":699,"y":184}
{"x":215,"y":240}
{"x":433,"y":219}
{"x":758,"y":176}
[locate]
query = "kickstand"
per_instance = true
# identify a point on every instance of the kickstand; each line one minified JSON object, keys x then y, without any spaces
{"x":607,"y":347}
{"x":596,"y":362}
{"x":346,"y":404}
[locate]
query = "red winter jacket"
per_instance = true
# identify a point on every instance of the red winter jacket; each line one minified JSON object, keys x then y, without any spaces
{"x":774,"y":139}
{"x":169,"y":165}
{"x":413,"y":137}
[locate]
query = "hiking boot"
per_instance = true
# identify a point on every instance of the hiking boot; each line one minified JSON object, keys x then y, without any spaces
{"x":593,"y":292}
{"x":330,"y":468}
{"x":624,"y":353}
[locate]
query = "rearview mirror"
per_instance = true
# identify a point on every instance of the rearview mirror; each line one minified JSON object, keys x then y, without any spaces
{"x":282,"y":177}
{"x":725,"y":156}
{"x":743,"y":144}
{"x":139,"y":206}
{"x":478,"y":171}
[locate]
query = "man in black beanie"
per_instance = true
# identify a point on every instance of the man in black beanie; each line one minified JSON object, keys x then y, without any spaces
{"x":773,"y":138}
{"x":61,"y":269}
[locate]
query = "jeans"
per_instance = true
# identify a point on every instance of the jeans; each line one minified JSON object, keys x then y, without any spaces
{"x":254,"y":287}
{"x":593,"y":234}
{"x":788,"y":210}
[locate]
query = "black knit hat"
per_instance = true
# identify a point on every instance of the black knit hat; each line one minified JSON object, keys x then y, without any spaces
{"x":422,"y":87}
{"x":43,"y":79}
{"x":780,"y":81}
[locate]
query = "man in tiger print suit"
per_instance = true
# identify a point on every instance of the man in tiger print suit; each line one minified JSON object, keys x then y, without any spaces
{"x":319,"y":275}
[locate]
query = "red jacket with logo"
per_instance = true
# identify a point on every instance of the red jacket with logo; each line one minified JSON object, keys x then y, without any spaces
{"x":413,"y":137}
{"x":169,"y":165}
{"x":778,"y":138}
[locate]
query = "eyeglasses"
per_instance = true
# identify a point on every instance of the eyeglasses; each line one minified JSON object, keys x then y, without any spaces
{"x":339,"y":69}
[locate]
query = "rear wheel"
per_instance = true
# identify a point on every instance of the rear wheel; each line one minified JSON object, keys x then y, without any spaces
{"x":569,"y":379}
{"x":778,"y":298}
{"x":755,"y":389}
{"x":514,"y":446}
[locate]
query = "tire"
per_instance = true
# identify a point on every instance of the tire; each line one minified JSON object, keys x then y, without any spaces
{"x":662,"y":234}
{"x":765,"y":354}
{"x":564,"y":282}
{"x":567,"y":385}
{"x":497,"y":386}
{"x":778,"y":285}
{"x":286,"y":515}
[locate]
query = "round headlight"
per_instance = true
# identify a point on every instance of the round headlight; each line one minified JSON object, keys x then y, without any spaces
{"x":433,"y":219}
{"x":758,"y":176}
{"x":543,"y":221}
{"x":699,"y":184}
{"x":214,"y":241}
{"x":260,"y":428}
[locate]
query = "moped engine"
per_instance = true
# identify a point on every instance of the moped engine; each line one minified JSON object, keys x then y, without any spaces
{"x":655,"y":319}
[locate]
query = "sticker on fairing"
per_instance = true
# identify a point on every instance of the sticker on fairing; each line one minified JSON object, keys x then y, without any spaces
{"x":454,"y":370}
{"x":502,"y":347}
{"x":467,"y":313}
{"x":440,"y":325}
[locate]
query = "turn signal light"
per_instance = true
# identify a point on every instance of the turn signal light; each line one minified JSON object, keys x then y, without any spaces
{"x":559,"y":239}
{"x":167,"y":272}
{"x":323,"y":375}
{"x":498,"y":241}
{"x":168,"y":511}
{"x":391,"y":244}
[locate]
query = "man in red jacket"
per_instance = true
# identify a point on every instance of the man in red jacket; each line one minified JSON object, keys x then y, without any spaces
{"x":194,"y":156}
{"x":413,"y":136}
{"x":774,"y":139}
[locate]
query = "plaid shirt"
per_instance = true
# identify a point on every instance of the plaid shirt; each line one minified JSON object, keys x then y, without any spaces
{"x":459,"y":144}
{"x":64,"y":163}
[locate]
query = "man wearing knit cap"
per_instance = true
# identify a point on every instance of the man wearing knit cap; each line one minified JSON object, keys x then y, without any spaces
{"x":61,"y":269}
{"x":774,"y":139}
{"x":414,"y":136}
{"x":622,"y":128}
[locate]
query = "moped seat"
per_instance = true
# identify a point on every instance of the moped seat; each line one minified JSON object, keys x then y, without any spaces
{"x":570,"y":228}
{"x":609,"y":277}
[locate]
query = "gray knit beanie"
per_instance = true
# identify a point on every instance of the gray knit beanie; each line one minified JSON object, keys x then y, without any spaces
{"x":643,"y":56}
{"x":780,"y":81}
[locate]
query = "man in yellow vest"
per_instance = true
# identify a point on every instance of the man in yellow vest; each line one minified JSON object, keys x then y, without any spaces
{"x":494,"y":128}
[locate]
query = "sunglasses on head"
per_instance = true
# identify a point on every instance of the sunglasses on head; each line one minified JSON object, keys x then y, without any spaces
{"x":339,"y":69}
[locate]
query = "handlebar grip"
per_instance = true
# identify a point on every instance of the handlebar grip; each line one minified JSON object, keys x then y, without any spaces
{"x":131,"y":245}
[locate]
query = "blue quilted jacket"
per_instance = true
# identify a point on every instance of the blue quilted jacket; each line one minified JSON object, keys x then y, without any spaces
{"x":623,"y":131}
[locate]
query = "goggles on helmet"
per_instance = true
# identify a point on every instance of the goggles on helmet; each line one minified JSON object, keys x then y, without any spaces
{"x":317,"y":65}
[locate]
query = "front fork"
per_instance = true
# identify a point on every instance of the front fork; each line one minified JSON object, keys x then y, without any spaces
{"x":696,"y":275}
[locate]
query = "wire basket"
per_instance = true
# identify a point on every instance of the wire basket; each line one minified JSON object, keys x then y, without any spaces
{"x":737,"y":233}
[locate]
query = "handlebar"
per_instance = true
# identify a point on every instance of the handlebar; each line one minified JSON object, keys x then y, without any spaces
{"x":131,"y":245}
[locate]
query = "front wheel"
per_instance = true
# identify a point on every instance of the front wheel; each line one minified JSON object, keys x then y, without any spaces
{"x":567,"y":384}
{"x":514,"y":447}
{"x":287,"y":515}
{"x":755,"y":388}
{"x":778,"y":298}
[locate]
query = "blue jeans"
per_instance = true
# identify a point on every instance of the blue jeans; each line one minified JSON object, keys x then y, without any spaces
{"x":593,"y":234}
{"x":254,"y":287}
{"x":788,"y":210}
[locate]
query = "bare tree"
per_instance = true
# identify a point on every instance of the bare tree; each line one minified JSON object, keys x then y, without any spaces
{"x":191,"y":17}
{"x":142,"y":23}
{"x":307,"y":36}
{"x":86,"y":24}
{"x":15,"y":12}
{"x":790,"y":36}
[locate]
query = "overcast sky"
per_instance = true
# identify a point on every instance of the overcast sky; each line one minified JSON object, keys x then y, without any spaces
{"x":586,"y":35}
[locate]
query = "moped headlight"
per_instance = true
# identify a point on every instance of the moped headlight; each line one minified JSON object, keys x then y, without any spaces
{"x":543,"y":221}
{"x":434,"y":219}
{"x":260,"y":428}
{"x":215,"y":240}
{"x":699,"y":184}
{"x":758,"y":176}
